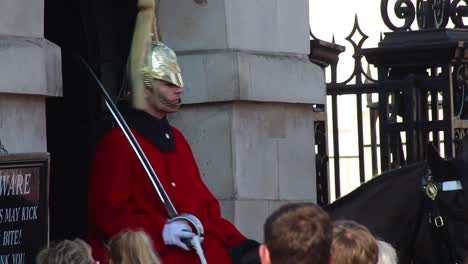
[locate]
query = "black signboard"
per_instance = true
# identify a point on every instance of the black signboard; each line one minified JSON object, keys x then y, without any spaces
{"x":24,"y":211}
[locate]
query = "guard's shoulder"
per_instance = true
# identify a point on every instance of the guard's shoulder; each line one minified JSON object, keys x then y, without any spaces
{"x":177,"y":133}
{"x":179,"y":136}
{"x":115,"y":135}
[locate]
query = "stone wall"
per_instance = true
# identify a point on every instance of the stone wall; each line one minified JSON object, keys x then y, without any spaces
{"x":249,"y":91}
{"x":30,"y":70}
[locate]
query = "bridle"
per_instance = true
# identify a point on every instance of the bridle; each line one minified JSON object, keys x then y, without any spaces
{"x":437,"y":221}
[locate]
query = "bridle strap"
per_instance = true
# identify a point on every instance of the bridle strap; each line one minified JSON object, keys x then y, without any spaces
{"x":439,"y":226}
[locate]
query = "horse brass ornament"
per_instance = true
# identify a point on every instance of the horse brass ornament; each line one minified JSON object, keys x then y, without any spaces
{"x":430,"y":187}
{"x":431,"y":190}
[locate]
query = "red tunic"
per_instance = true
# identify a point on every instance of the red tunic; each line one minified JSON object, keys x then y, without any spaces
{"x":121,"y":196}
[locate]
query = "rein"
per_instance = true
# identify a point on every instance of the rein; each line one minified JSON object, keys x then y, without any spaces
{"x":432,"y":189}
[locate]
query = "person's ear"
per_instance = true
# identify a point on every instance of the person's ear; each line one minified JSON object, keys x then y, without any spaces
{"x":264,"y":254}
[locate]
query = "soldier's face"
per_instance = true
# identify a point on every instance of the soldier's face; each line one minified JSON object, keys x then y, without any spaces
{"x":165,"y":97}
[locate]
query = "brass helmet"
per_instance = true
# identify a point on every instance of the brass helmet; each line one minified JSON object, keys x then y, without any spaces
{"x":161,"y":63}
{"x":149,"y":58}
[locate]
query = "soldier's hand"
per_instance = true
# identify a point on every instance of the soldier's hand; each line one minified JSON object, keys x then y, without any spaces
{"x":174,"y":232}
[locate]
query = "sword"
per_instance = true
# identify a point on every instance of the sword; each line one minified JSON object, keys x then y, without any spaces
{"x":172,"y":212}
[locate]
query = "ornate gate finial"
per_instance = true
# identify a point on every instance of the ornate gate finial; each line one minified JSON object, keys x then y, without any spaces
{"x":430,"y":14}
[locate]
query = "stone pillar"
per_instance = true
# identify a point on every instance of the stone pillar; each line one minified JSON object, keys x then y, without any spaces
{"x":30,"y":70}
{"x":249,"y":90}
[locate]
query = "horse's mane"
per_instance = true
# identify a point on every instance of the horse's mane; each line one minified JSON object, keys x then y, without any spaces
{"x":386,"y":176}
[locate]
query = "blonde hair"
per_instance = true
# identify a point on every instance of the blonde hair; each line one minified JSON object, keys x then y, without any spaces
{"x":66,"y":252}
{"x":132,"y":247}
{"x":387,"y":254}
{"x":353,"y":244}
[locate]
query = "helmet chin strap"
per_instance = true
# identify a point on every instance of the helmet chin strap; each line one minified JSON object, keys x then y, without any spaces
{"x":167,"y":102}
{"x":154,"y":89}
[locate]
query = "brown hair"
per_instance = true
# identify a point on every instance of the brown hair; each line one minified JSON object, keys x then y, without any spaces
{"x":66,"y":252}
{"x":132,"y":247}
{"x":353,"y":244}
{"x":298,"y":233}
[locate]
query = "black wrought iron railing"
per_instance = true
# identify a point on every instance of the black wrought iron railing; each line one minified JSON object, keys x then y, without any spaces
{"x":358,"y":84}
{"x":429,"y":14}
{"x":422,"y":88}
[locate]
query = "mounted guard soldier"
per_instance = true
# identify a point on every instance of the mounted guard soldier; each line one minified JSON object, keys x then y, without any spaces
{"x":123,"y":194}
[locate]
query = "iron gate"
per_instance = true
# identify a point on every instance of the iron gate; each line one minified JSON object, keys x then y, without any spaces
{"x":422,"y":86}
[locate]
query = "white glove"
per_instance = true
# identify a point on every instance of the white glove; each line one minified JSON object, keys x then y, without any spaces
{"x":175,"y":231}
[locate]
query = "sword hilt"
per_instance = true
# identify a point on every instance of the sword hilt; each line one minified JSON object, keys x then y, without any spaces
{"x":194,"y":242}
{"x":193,"y":221}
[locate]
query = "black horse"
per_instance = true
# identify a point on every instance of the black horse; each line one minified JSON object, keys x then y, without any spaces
{"x":396,"y":207}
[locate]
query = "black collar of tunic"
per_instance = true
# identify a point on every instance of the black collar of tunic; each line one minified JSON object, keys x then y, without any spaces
{"x":157,"y":131}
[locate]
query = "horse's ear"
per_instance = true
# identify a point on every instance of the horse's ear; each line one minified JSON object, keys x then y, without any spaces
{"x":435,"y":161}
{"x":462,"y":150}
{"x":433,"y":156}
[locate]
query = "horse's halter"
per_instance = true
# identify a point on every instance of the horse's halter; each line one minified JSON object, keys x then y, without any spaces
{"x":432,"y":190}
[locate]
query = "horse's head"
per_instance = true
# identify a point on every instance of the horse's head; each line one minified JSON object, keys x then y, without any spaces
{"x":395,"y":207}
{"x":389,"y":205}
